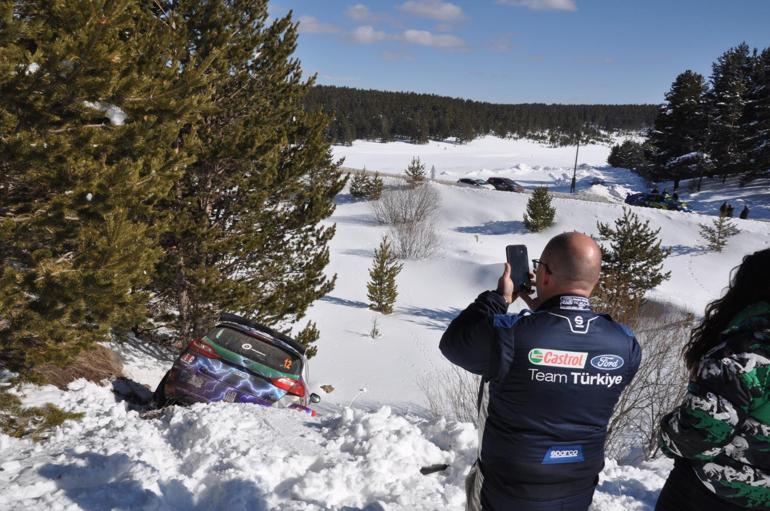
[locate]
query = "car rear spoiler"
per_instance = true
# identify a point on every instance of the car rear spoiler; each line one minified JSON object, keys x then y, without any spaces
{"x":234,"y":318}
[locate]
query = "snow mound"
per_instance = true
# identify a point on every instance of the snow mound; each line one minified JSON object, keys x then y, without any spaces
{"x":245,"y":457}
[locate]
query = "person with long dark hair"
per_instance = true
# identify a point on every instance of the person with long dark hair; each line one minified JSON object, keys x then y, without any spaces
{"x":719,"y":436}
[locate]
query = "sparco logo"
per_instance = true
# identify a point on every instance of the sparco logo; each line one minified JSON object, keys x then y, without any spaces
{"x":571,"y":453}
{"x":557,"y":358}
{"x":607,"y":362}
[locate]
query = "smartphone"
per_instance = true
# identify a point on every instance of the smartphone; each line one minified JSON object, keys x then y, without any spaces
{"x":519,"y":260}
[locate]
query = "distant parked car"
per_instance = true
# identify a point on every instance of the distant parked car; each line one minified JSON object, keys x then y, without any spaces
{"x":239,"y":361}
{"x":658,"y":201}
{"x":505,"y":184}
{"x":474,"y":183}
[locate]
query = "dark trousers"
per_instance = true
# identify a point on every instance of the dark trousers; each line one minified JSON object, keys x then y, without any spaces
{"x":477,"y":501}
{"x":683,"y":491}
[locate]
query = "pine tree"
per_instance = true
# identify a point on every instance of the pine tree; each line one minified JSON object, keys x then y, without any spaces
{"x":381,"y":288}
{"x":755,"y":124}
{"x":725,"y":103}
{"x":360,"y":185}
{"x":415,"y":172}
{"x":432,"y":172}
{"x":374,"y":187}
{"x":94,"y":99}
{"x":628,"y":155}
{"x":632,"y":264}
{"x":716,"y":235}
{"x":679,"y":136}
{"x":308,"y":337}
{"x":246,"y":231}
{"x":539,"y":213}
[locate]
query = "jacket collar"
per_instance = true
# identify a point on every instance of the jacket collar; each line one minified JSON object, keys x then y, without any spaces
{"x":567,"y":302}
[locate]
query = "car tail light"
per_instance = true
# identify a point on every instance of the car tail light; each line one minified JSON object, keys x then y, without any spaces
{"x":291,"y":386}
{"x":205,"y":349}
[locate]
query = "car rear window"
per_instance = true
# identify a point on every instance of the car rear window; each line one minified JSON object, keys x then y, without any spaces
{"x":257,"y":350}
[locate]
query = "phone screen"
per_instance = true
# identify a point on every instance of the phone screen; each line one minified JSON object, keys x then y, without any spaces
{"x":519,"y":260}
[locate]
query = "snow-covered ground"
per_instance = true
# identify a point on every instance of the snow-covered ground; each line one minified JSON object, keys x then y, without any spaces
{"x":372,"y":435}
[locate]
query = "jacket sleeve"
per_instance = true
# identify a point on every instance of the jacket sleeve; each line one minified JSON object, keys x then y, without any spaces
{"x":470,"y":340}
{"x":717,"y":401}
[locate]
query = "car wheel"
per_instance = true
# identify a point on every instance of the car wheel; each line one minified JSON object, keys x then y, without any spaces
{"x":159,"y":396}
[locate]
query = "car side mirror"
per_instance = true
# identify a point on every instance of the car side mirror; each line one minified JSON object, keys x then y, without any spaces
{"x":315,"y":398}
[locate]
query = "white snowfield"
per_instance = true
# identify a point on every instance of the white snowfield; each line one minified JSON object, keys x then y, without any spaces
{"x":373,"y":434}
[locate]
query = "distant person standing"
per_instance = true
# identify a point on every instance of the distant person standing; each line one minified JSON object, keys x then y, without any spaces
{"x":550,"y":381}
{"x":729,"y":212}
{"x":744,"y":212}
{"x":719,"y":436}
{"x":723,"y":209}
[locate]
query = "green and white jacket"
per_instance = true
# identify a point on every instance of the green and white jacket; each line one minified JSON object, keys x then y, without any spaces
{"x":723,"y":426}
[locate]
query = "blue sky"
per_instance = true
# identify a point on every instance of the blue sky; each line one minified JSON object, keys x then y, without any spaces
{"x":517,"y":51}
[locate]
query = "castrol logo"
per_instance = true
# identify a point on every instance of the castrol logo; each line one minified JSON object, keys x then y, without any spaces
{"x":557,"y":358}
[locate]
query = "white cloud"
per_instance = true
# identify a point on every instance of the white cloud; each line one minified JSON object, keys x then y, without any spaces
{"x":434,"y":9}
{"x":367,"y":34}
{"x":360,"y":12}
{"x":542,"y":5}
{"x":311,"y":25}
{"x":425,"y":38}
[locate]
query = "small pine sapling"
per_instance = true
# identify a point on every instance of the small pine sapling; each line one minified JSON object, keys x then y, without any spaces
{"x":632,"y":264}
{"x":539,"y":213}
{"x":375,"y":332}
{"x":374,"y":187}
{"x":381,"y":288}
{"x":415,"y":172}
{"x":716,"y":235}
{"x":359,"y":185}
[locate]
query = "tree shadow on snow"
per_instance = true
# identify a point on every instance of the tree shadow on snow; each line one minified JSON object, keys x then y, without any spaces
{"x":345,"y":302}
{"x":136,"y":395}
{"x":356,"y":220}
{"x":678,"y":250}
{"x":495,"y":228}
{"x":359,"y":252}
{"x":374,"y":506}
{"x":100,"y":482}
{"x":432,"y":318}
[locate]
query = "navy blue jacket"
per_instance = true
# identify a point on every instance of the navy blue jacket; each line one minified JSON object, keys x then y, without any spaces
{"x":550,"y":381}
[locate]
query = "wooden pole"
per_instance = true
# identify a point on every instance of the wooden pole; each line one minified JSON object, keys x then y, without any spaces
{"x":574,"y":171}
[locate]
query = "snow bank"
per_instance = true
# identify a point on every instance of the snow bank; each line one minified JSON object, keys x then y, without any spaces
{"x":245,"y":457}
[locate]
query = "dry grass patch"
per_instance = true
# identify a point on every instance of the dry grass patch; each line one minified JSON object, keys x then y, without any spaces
{"x":95,"y":364}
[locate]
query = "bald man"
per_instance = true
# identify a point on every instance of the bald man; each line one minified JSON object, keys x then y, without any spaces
{"x":550,"y":379}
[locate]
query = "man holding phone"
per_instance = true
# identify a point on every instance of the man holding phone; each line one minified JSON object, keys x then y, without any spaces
{"x":550,"y":380}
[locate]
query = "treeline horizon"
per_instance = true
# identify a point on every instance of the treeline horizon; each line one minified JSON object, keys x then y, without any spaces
{"x":419,"y":117}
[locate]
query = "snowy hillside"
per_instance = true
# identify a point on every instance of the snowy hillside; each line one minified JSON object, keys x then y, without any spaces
{"x":365,"y":449}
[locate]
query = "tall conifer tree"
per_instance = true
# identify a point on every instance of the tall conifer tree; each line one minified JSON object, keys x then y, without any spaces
{"x":755,"y":125}
{"x":247,"y":234}
{"x":93,"y":98}
{"x":680,"y":128}
{"x":725,"y":102}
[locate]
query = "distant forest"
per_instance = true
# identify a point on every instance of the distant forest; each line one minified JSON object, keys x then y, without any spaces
{"x":385,"y":116}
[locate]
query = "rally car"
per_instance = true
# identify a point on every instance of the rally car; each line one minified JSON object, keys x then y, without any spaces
{"x":658,"y":201}
{"x":239,"y":361}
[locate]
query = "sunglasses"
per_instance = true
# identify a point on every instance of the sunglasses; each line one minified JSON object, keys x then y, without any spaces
{"x":538,"y":262}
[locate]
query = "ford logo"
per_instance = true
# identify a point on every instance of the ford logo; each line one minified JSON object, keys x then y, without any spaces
{"x":607,"y":362}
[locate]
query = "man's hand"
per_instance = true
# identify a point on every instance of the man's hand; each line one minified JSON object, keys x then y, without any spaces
{"x":508,"y":291}
{"x":505,"y":287}
{"x":532,"y":303}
